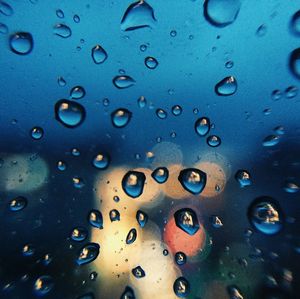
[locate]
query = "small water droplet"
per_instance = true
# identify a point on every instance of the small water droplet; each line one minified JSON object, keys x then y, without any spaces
{"x":121,"y":117}
{"x":61,"y":165}
{"x":60,"y":14}
{"x":62,"y":30}
{"x":142,"y":102}
{"x":141,"y":218}
{"x":114,"y":215}
{"x":99,"y":55}
{"x":216,"y":221}
{"x":69,"y":113}
{"x":181,"y":287}
{"x":101,"y":161}
{"x":176,"y":110}
{"x":173,"y":33}
{"x":18,"y":204}
{"x":294,"y":63}
{"x":21,"y":43}
{"x":79,"y":234}
{"x":95,"y":219}
{"x":88,"y":253}
{"x":43,"y":285}
{"x":243,"y":178}
{"x":93,"y":276}
{"x":271,"y":140}
{"x":160,"y":174}
{"x":229,"y":64}
{"x":162,"y":114}
{"x":279,"y":130}
{"x":37,"y":133}
{"x":202,"y":126}
{"x":234,"y":292}
{"x":6,"y":9}
{"x":78,"y":182}
{"x":47,"y":259}
{"x":75,"y":152}
{"x":151,"y":63}
{"x":143,"y":48}
{"x":291,"y":92}
{"x":295,"y":23}
{"x":138,"y":272}
{"x":180,"y":258}
{"x":261,"y":30}
{"x":77,"y":92}
{"x":226,"y":86}
{"x":28,"y":250}
{"x":128,"y":293}
{"x":122,"y":82}
{"x":213,"y":141}
{"x":133,"y":183}
{"x":138,"y":15}
{"x":276,"y":95}
{"x":76,"y":18}
{"x":291,"y":187}
{"x":61,"y":81}
{"x":3,"y":28}
{"x":131,"y":236}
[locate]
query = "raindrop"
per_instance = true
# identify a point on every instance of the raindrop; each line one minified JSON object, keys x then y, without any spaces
{"x":234,"y":292}
{"x":78,"y":182}
{"x":99,"y":55}
{"x":193,"y":180}
{"x":61,"y":81}
{"x":123,"y":81}
{"x":47,"y":259}
{"x":138,"y":15}
{"x":21,"y":43}
{"x":95,"y":219}
{"x":61,"y":165}
{"x":128,"y":293}
{"x":101,"y":161}
{"x":142,"y":102}
{"x":79,"y":234}
{"x":291,"y":92}
{"x":60,"y":14}
{"x":43,"y":285}
{"x":216,"y":221}
{"x":294,"y":63}
{"x":62,"y":30}
{"x":279,"y":130}
{"x":76,"y":19}
{"x":229,"y":64}
{"x":261,"y":30}
{"x":181,"y":287}
{"x":213,"y":141}
{"x":105,"y":102}
{"x":243,"y":178}
{"x":114,"y":215}
{"x":271,"y":140}
{"x":160,"y":174}
{"x":226,"y":86}
{"x":291,"y":187}
{"x":180,"y":258}
{"x":165,"y":252}
{"x":93,"y":276}
{"x":265,"y":215}
{"x":276,"y":95}
{"x":131,"y":236}
{"x":141,"y":218}
{"x":28,"y":250}
{"x":6,"y":9}
{"x":138,"y":272}
{"x":133,"y":183}
{"x":221,"y":13}
{"x":77,"y":92}
{"x":18,"y":204}
{"x":173,"y":33}
{"x":151,"y":63}
{"x":88,"y":253}
{"x":295,"y":23}
{"x":187,"y":220}
{"x":202,"y":126}
{"x":75,"y":152}
{"x":37,"y":133}
{"x":69,"y":113}
{"x":176,"y":110}
{"x":162,"y":114}
{"x":120,"y":117}
{"x":3,"y":28}
{"x":116,"y":198}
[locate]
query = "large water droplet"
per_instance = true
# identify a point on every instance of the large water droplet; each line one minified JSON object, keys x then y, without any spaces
{"x":265,"y":215}
{"x":62,"y":30}
{"x":138,"y":15}
{"x":151,"y":63}
{"x":202,"y":126}
{"x":128,"y":293}
{"x":18,"y":204}
{"x":180,"y":258}
{"x":77,"y":92}
{"x":141,"y":218}
{"x":79,"y":234}
{"x":123,"y":81}
{"x":133,"y":183}
{"x":6,"y":9}
{"x":192,"y":180}
{"x":37,"y":133}
{"x":243,"y":178}
{"x":187,"y":220}
{"x":213,"y":140}
{"x":226,"y":86}
{"x":121,"y":117}
{"x":221,"y":13}
{"x":131,"y":236}
{"x":114,"y":215}
{"x":69,"y":113}
{"x":43,"y":285}
{"x":160,"y":174}
{"x":271,"y":140}
{"x":95,"y":219}
{"x":99,"y":55}
{"x":88,"y":253}
{"x":101,"y":161}
{"x":138,"y":272}
{"x":21,"y":43}
{"x":181,"y":287}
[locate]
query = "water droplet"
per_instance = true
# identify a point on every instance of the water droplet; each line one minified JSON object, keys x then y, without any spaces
{"x":151,"y":63}
{"x":3,"y":28}
{"x":291,"y":187}
{"x":181,"y":287}
{"x":213,"y":141}
{"x":114,"y":215}
{"x":6,"y":9}
{"x":234,"y":292}
{"x":187,"y":220}
{"x":93,"y":276}
{"x":21,"y":43}
{"x":176,"y":110}
{"x":265,"y":215}
{"x":202,"y":126}
{"x":122,"y":82}
{"x":243,"y":178}
{"x":28,"y":250}
{"x":121,"y":117}
{"x":75,"y":152}
{"x":267,"y":111}
{"x":116,"y":198}
{"x":61,"y":165}
{"x":271,"y":140}
{"x":78,"y":182}
{"x":141,"y":218}
{"x":99,"y":55}
{"x":61,"y":81}
{"x":142,"y":102}
{"x":43,"y":285}
{"x":87,"y":296}
{"x":295,"y":23}
{"x":173,"y":33}
{"x":88,"y":253}
{"x":128,"y":293}
{"x":69,"y":113}
{"x":131,"y":236}
{"x":60,"y":14}
{"x":291,"y":92}
{"x":216,"y":221}
{"x":77,"y":92}
{"x":180,"y":258}
{"x":47,"y":259}
{"x":143,"y":48}
{"x":95,"y":219}
{"x":261,"y":30}
{"x":37,"y":133}
{"x":138,"y":272}
{"x":18,"y":204}
{"x":294,"y":62}
{"x":276,"y":95}
{"x":162,"y":114}
{"x":193,"y":180}
{"x":160,"y":174}
{"x":62,"y":30}
{"x":76,"y":18}
{"x":101,"y":161}
{"x":229,"y":64}
{"x":106,"y":102}
{"x":133,"y":183}
{"x":138,"y":15}
{"x":221,"y":13}
{"x":226,"y":86}
{"x":79,"y":234}
{"x":279,"y":130}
